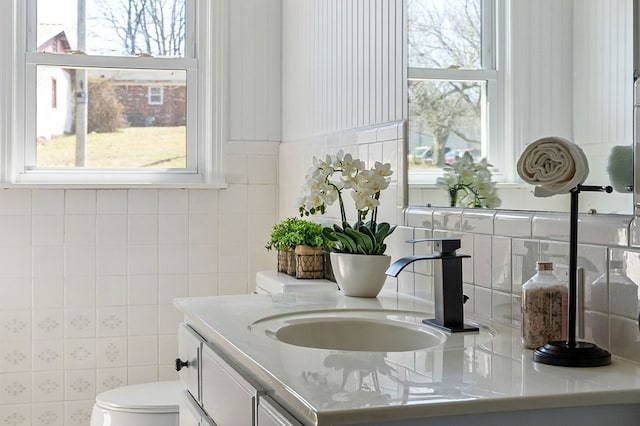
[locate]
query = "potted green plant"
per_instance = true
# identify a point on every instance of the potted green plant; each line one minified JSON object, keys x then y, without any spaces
{"x":299,"y":243}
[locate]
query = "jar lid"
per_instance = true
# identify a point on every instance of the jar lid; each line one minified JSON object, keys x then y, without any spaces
{"x":544,"y":265}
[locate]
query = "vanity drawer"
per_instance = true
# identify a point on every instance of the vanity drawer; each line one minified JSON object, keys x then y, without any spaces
{"x":188,"y":362}
{"x":228,"y":398}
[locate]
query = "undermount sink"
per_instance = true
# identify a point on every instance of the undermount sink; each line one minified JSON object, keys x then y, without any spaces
{"x":354,"y":330}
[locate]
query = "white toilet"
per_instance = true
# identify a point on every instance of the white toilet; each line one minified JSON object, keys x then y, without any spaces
{"x":148,"y":404}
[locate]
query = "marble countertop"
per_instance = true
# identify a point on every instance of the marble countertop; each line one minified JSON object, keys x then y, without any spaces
{"x":465,"y":374}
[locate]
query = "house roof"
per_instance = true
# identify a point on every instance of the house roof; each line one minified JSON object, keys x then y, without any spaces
{"x":47,"y":32}
{"x":136,"y":76}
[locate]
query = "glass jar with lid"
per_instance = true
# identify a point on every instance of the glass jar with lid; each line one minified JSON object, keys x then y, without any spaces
{"x":544,"y":308}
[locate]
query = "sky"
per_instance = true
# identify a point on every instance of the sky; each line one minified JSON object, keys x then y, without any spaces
{"x":60,"y":12}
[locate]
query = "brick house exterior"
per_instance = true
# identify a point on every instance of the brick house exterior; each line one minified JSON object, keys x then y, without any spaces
{"x":151,"y":98}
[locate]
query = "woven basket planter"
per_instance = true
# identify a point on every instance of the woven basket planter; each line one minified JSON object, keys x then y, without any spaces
{"x":287,"y":262}
{"x":309,"y":262}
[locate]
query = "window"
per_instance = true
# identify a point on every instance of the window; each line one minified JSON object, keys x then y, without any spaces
{"x":452,"y":80}
{"x":156,"y":95}
{"x":112,"y":64}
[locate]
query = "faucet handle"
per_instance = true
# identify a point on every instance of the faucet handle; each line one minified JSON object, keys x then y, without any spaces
{"x":442,"y":245}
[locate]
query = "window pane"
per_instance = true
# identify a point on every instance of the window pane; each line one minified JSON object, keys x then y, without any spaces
{"x":133,"y":27}
{"x":124,"y":130}
{"x":445,"y":121}
{"x":445,"y":34}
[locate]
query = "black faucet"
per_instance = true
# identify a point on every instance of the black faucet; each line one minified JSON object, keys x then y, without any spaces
{"x":447,"y":283}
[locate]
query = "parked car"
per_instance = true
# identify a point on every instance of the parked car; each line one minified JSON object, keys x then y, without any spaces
{"x":454,"y":155}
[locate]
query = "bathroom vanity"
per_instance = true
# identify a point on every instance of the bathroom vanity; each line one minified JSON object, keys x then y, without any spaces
{"x":321,"y":358}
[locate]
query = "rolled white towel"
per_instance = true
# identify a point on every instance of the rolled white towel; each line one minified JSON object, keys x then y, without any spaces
{"x":555,"y":165}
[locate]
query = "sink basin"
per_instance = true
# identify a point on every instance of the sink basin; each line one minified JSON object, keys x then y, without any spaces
{"x":354,"y":330}
{"x":357,"y":335}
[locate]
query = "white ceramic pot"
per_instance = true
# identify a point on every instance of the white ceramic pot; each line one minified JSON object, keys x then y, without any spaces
{"x":360,"y":275}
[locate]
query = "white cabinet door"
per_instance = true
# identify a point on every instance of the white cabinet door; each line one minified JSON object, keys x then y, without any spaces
{"x":189,"y":348}
{"x":226,"y":396}
{"x":191,"y":414}
{"x":271,"y":414}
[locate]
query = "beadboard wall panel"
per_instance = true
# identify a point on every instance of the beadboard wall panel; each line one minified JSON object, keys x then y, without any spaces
{"x":343,"y":65}
{"x":255,"y":59}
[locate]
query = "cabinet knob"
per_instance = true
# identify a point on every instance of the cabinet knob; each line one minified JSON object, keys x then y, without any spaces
{"x":180,"y":364}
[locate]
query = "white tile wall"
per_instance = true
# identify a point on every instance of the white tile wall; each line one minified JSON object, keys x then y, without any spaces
{"x":88,"y":278}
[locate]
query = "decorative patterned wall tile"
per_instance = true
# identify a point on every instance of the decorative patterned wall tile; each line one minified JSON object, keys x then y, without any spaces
{"x":110,"y":378}
{"x":48,"y":355}
{"x":79,"y":385}
{"x":48,"y":386}
{"x":112,"y":321}
{"x":15,"y":388}
{"x":14,"y":324}
{"x":80,"y":354}
{"x":15,"y":355}
{"x":48,"y":323}
{"x":47,"y":414}
{"x":78,"y":413}
{"x":80,"y":322}
{"x":111,"y":352}
{"x":15,"y":415}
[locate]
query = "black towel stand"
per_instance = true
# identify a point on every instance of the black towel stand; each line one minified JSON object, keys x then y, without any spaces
{"x":570,"y":353}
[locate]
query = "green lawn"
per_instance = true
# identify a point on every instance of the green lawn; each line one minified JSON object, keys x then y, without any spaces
{"x":132,"y":147}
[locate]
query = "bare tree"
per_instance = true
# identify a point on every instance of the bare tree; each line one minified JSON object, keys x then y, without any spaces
{"x":153,"y":27}
{"x":444,"y":35}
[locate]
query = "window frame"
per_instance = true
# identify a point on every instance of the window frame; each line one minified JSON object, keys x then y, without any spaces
{"x":493,"y":59}
{"x":205,"y":64}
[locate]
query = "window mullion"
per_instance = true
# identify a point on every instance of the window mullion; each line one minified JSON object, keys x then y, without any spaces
{"x":94,"y":61}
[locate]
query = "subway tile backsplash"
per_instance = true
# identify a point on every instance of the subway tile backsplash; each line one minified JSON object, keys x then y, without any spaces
{"x":504,"y":246}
